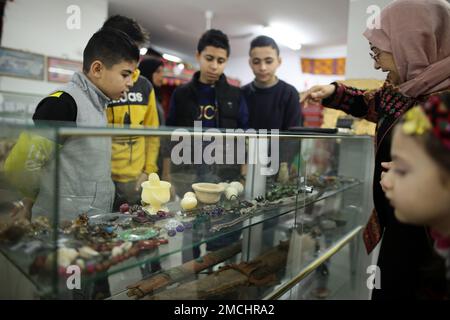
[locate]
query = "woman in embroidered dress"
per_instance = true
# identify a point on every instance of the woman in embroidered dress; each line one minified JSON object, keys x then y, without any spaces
{"x":412,"y":45}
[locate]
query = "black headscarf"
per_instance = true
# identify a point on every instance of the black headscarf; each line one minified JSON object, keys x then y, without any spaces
{"x":148,"y":67}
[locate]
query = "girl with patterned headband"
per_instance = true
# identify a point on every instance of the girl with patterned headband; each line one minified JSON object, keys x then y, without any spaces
{"x":418,"y":185}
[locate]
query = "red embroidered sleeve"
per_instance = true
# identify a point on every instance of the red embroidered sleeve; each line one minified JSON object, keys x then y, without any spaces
{"x":356,"y":102}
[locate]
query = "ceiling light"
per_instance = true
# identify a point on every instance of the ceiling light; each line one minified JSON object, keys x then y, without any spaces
{"x":178,"y":69}
{"x":171,"y":58}
{"x":284,"y":35}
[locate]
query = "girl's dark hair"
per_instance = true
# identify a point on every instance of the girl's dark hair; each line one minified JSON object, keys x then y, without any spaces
{"x":437,"y":151}
{"x":434,"y":146}
{"x":214,"y":38}
{"x":110,"y":46}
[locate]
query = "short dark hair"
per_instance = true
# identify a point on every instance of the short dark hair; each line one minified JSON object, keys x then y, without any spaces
{"x":214,"y":38}
{"x":264,"y":41}
{"x":130,"y":26}
{"x":110,"y":46}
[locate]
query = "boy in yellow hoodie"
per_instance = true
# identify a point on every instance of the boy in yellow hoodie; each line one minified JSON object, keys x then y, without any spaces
{"x":133,"y":157}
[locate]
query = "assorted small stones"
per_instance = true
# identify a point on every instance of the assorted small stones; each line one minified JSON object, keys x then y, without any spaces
{"x":135,"y":208}
{"x":101,"y":250}
{"x":141,"y":219}
{"x":216,"y":212}
{"x":140,"y":216}
{"x":187,"y":225}
{"x":92,"y":261}
{"x":124,"y":208}
{"x":278,"y":192}
{"x":108,"y":229}
{"x":173,"y":226}
{"x":259,"y":199}
{"x":247,"y":207}
{"x":171,"y":232}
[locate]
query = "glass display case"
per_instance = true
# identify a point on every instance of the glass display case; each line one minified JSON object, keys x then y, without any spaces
{"x":233,"y":214}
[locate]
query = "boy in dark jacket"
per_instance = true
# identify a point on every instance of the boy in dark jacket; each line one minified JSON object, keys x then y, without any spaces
{"x":207,"y":98}
{"x":272,"y":103}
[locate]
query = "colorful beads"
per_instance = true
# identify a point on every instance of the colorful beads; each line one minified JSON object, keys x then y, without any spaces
{"x":187,"y":225}
{"x":124,"y":208}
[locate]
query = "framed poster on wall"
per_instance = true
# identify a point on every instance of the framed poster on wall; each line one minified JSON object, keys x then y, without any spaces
{"x":15,"y":63}
{"x":61,"y":70}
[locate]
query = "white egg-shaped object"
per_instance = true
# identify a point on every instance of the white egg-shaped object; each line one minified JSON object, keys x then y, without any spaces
{"x":66,"y":256}
{"x":224,"y":185}
{"x":238,"y":186}
{"x":116,"y":251}
{"x":231,"y":193}
{"x":87,"y":252}
{"x":189,"y":194}
{"x":188,"y":203}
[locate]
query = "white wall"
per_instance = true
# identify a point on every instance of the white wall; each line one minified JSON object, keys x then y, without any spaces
{"x":359,"y":63}
{"x":325,"y":52}
{"x":238,"y":68}
{"x":40,"y":26}
{"x":290,"y":69}
{"x":332,"y":52}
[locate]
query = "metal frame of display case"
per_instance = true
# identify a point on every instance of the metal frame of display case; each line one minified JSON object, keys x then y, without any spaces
{"x":279,"y":292}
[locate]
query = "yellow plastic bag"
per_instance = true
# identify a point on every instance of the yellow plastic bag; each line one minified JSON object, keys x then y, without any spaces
{"x":24,"y":164}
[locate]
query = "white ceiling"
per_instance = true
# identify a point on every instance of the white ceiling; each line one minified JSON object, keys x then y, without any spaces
{"x":177,"y":24}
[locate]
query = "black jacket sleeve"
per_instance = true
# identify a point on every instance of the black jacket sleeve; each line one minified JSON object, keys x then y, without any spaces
{"x":56,"y":108}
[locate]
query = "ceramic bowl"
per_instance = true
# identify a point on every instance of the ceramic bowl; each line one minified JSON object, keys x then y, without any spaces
{"x":208,"y":193}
